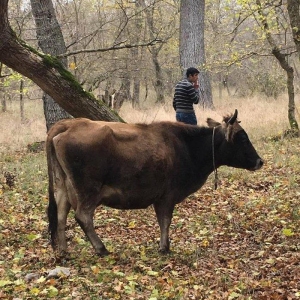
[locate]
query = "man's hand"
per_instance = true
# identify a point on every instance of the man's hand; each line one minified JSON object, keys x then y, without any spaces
{"x":196,"y":85}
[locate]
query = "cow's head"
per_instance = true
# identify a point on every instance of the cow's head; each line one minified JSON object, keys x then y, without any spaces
{"x":235,"y":149}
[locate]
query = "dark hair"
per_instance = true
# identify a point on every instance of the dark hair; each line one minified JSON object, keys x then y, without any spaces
{"x":191,"y":71}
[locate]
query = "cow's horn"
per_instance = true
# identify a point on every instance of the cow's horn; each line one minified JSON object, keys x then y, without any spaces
{"x":233,"y":118}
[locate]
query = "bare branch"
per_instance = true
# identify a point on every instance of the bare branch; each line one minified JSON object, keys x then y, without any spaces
{"x":118,"y":46}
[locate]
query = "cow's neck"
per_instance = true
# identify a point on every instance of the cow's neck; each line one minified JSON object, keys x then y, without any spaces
{"x":205,"y":153}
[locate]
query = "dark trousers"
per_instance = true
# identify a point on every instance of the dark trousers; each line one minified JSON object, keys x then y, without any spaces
{"x":187,"y":118}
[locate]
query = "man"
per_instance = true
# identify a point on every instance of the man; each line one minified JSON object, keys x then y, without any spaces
{"x":187,"y":94}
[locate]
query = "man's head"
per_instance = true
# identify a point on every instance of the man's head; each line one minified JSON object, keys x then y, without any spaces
{"x":192,"y":74}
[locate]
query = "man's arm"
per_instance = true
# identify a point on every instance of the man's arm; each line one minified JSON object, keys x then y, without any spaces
{"x":193,"y":94}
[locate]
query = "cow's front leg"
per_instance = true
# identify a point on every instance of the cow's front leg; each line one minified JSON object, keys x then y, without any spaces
{"x":85,"y":220}
{"x":164,"y":216}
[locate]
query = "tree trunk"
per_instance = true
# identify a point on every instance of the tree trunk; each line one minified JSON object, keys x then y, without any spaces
{"x":51,"y":41}
{"x":290,"y":87}
{"x":136,"y":78}
{"x":136,"y":90}
{"x":191,"y":44}
{"x":136,"y":58}
{"x":120,"y":96}
{"x":293,"y":7}
{"x":49,"y":74}
{"x":154,"y":50}
{"x":285,"y":66}
{"x":22,"y":101}
{"x":123,"y":93}
{"x":2,"y":94}
{"x":220,"y":85}
{"x":159,"y":83}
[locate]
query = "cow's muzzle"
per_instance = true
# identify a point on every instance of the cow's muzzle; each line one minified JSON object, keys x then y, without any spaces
{"x":259,"y":164}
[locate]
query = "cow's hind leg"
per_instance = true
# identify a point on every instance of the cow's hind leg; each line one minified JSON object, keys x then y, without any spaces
{"x":63,"y":208}
{"x":84,"y":217}
{"x":164,"y":216}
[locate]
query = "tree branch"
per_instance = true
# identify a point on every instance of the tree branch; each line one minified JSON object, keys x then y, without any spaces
{"x":114,"y":47}
{"x":49,"y":74}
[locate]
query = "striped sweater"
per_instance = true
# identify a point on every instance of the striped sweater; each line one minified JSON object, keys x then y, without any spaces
{"x":185,"y":96}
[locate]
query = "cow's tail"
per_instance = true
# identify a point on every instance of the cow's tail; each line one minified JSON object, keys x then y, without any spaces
{"x":52,"y":206}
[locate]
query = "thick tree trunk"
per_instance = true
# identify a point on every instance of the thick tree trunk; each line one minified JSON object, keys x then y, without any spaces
{"x":51,"y":41}
{"x":191,"y":47}
{"x":49,"y":74}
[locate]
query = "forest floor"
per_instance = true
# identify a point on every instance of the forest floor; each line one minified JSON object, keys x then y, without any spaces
{"x":241,"y":241}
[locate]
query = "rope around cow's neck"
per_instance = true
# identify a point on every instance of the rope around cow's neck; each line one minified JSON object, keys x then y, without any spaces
{"x":214,"y":162}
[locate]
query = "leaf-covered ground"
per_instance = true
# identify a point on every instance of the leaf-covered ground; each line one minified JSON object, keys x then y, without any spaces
{"x":241,"y":241}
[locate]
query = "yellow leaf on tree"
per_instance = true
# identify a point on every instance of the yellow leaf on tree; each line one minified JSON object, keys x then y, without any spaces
{"x":72,"y":66}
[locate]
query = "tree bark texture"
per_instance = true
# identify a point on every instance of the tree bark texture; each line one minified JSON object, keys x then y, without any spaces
{"x":159,"y":84}
{"x":293,"y":7}
{"x":49,"y":74}
{"x":136,"y":58}
{"x":154,"y":50}
{"x":290,"y":87}
{"x":2,"y":94}
{"x":51,"y":41}
{"x":191,"y":44}
{"x":22,"y":101}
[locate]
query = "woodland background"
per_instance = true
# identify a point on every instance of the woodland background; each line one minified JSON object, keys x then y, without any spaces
{"x":239,"y":57}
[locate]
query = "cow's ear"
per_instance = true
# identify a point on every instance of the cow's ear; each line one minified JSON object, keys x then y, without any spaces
{"x":212,"y":123}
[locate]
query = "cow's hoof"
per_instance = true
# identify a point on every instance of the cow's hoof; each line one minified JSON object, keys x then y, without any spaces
{"x":103,"y":253}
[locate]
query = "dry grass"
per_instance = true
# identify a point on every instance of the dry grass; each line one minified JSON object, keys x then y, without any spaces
{"x":15,"y":134}
{"x":260,"y":117}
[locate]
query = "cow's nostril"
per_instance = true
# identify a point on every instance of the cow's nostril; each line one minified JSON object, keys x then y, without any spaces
{"x":259,"y":163}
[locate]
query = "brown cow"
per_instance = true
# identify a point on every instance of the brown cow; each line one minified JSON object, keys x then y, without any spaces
{"x":131,"y":166}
